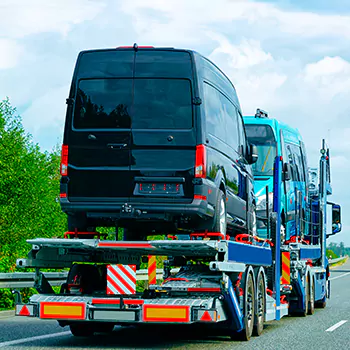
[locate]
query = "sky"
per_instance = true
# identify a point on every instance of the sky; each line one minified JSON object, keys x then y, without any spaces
{"x":290,"y":58}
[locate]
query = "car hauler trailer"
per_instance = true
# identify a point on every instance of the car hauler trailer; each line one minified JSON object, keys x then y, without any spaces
{"x":234,"y":283}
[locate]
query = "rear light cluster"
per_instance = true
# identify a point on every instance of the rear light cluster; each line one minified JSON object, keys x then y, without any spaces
{"x":64,"y":160}
{"x":201,"y":162}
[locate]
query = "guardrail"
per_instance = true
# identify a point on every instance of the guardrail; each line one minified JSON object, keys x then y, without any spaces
{"x":337,"y":260}
{"x":26,"y":279}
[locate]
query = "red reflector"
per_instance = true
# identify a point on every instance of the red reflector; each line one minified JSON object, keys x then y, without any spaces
{"x":197,"y":196}
{"x":206,"y":317}
{"x":64,"y":160}
{"x":201,"y":161}
{"x":24,"y":311}
{"x":281,"y":158}
{"x":63,"y":195}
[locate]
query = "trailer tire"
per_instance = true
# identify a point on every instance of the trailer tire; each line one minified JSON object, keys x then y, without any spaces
{"x":82,"y":330}
{"x":248,"y":307}
{"x":260,"y":303}
{"x":307,"y":296}
{"x":311,"y":310}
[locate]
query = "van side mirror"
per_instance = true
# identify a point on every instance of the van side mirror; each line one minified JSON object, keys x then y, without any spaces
{"x":287,"y":172}
{"x":252,"y":155}
{"x":336,"y":218}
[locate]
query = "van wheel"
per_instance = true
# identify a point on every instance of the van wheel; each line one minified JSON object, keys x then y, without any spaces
{"x":220,"y":215}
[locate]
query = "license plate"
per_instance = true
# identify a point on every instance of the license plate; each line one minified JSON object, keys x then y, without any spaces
{"x":146,"y":188}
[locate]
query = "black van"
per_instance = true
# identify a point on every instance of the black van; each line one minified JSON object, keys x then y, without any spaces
{"x":154,"y":142}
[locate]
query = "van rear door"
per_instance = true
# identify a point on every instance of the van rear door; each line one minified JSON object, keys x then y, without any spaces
{"x":99,"y":132}
{"x":132,"y":130}
{"x":163,"y":134}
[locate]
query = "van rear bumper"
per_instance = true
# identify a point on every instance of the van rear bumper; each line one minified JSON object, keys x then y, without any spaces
{"x":137,"y":210}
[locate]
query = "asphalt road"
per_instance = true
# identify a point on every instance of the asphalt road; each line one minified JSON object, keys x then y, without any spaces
{"x":328,"y":328}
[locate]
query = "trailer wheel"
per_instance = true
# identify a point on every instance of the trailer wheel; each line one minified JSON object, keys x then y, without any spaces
{"x":82,"y":330}
{"x":261,"y":305}
{"x":312,"y":298}
{"x":248,"y":308}
{"x":307,"y":296}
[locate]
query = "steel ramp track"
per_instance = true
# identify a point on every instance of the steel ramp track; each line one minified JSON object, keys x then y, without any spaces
{"x":200,"y":248}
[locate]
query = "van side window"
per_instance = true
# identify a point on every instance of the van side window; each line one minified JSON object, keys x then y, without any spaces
{"x":291,"y":160}
{"x":214,"y":112}
{"x":221,"y":117}
{"x":294,"y":156}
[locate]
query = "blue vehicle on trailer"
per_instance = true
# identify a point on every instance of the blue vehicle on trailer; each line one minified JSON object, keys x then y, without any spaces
{"x":273,"y":138}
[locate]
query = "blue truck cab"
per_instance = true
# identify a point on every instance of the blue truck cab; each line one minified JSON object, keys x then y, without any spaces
{"x":274,"y":138}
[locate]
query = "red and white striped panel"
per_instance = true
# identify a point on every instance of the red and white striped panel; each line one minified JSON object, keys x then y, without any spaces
{"x":121,"y":279}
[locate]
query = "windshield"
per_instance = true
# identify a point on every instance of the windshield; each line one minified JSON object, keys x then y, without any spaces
{"x":262,"y":136}
{"x":145,"y":103}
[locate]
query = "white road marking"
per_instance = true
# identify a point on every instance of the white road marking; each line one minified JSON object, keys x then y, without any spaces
{"x":331,"y":329}
{"x":39,"y":337}
{"x":343,"y":275}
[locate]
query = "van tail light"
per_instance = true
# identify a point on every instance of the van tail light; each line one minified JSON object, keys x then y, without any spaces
{"x":64,"y":160}
{"x":201,"y":162}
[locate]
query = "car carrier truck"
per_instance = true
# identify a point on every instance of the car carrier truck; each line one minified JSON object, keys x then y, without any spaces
{"x":235,"y":283}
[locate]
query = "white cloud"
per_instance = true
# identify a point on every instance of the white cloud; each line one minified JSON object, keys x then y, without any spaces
{"x":21,"y":18}
{"x":10,"y":53}
{"x":248,"y":53}
{"x":330,"y":76}
{"x":182,"y":14}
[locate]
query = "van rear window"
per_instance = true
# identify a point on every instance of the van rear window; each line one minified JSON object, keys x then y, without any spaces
{"x":140,"y":104}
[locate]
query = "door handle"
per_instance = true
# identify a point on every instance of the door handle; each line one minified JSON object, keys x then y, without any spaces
{"x":92,"y":137}
{"x":116,"y":145}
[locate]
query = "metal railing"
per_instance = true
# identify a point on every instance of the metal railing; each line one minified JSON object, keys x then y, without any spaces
{"x":335,"y":261}
{"x":26,"y":279}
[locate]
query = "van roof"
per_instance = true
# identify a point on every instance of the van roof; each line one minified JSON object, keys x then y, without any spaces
{"x":275,"y":124}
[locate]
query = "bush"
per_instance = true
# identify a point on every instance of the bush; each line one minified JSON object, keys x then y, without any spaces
{"x":29,"y":193}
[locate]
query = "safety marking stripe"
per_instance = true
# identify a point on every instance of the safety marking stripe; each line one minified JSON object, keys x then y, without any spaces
{"x":113,"y":288}
{"x":125,"y":245}
{"x":123,"y":279}
{"x":285,"y":268}
{"x":152,"y":269}
{"x":129,"y":272}
{"x":118,"y":284}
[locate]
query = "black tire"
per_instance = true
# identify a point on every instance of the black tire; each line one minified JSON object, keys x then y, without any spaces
{"x":82,"y":329}
{"x":248,"y":308}
{"x":218,"y":224}
{"x":261,"y":305}
{"x":89,"y":278}
{"x":307,"y":295}
{"x":311,"y":310}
